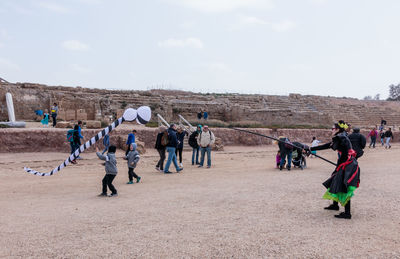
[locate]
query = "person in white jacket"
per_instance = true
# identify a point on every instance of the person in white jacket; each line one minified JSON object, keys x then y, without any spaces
{"x":205,"y":140}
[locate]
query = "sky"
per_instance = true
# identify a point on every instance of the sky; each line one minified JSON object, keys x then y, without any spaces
{"x":319,"y":47}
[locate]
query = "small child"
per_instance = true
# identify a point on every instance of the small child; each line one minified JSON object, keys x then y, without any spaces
{"x":111,"y":170}
{"x":278,"y":159}
{"x":133,"y":158}
{"x":45,"y":120}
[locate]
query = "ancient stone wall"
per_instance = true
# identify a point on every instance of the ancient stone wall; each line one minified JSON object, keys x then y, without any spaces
{"x":54,"y":140}
{"x":97,"y":104}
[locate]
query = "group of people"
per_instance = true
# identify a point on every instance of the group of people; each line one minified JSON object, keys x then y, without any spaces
{"x":346,"y":176}
{"x":74,"y":137}
{"x":46,"y":115}
{"x":171,"y":141}
{"x":385,"y":136}
{"x":202,"y":114}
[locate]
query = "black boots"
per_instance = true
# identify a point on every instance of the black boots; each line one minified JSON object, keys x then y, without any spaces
{"x":333,"y":206}
{"x":346,"y":214}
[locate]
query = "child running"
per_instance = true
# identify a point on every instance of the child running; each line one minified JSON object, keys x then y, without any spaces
{"x":133,"y":158}
{"x":111,"y":171}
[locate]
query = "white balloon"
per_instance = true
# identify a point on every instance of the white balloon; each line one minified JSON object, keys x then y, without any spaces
{"x":144,"y":114}
{"x":130,"y":114}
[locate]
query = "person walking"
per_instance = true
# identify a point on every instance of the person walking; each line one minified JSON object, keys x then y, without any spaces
{"x":131,"y":139}
{"x":54,"y":112}
{"x":373,"y":134}
{"x":358,"y":142}
{"x":180,"y":134}
{"x":382,"y":136}
{"x":160,"y":146}
{"x":195,"y":146}
{"x":199,"y":115}
{"x":171,"y":147}
{"x":205,"y":140}
{"x":315,"y":142}
{"x":132,"y":158}
{"x":45,"y":120}
{"x":389,"y":137}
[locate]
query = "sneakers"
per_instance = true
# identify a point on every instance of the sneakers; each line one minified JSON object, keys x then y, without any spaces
{"x":130,"y":182}
{"x":181,"y":165}
{"x":102,"y":195}
{"x":138,"y":179}
{"x":280,"y":167}
{"x":343,"y":215}
{"x":179,"y":169}
{"x":208,"y":166}
{"x":73,"y":162}
{"x":167,"y":172}
{"x":113,"y":195}
{"x":332,"y":207}
{"x":288,"y":168}
{"x":200,"y":166}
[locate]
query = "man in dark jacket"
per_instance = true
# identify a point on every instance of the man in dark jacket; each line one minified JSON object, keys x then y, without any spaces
{"x":171,"y":147}
{"x":286,"y":151}
{"x":358,"y":141}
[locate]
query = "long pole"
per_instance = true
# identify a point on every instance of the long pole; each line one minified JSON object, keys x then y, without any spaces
{"x":265,"y":136}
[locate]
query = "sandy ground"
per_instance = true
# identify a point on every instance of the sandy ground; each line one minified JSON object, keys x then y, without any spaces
{"x":242,"y":208}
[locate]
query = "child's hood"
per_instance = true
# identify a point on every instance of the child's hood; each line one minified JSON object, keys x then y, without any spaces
{"x":134,"y":146}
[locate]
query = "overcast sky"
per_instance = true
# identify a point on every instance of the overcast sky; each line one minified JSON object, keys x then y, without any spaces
{"x":322,"y":47}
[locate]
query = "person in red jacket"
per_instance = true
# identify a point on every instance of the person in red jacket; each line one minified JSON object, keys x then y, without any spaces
{"x":373,"y":134}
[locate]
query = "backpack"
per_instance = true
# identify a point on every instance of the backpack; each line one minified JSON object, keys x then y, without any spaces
{"x":70,"y":135}
{"x":192,"y":140}
{"x":164,"y":138}
{"x":288,"y":144}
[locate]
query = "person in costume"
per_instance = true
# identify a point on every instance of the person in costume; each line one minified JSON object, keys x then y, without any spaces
{"x":346,"y":177}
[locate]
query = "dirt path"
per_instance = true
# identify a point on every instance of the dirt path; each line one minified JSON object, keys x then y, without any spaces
{"x":241,"y":207}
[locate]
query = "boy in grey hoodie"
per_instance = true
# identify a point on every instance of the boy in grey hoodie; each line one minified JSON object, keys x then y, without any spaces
{"x":132,"y":157}
{"x":111,"y":170}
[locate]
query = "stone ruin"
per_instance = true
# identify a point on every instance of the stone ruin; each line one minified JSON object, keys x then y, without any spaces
{"x":12,"y":123}
{"x":77,"y":103}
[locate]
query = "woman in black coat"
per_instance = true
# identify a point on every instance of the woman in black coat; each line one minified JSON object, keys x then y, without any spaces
{"x":346,"y":177}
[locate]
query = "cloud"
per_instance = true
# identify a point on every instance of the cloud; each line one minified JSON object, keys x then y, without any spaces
{"x":300,"y":67}
{"x":80,"y":69}
{"x":283,"y":26}
{"x":75,"y":45}
{"x":6,"y":64}
{"x":53,"y":7}
{"x":218,"y":6}
{"x":319,"y":2}
{"x":246,"y":21}
{"x":219,"y":67}
{"x":1,"y":45}
{"x":181,"y":43}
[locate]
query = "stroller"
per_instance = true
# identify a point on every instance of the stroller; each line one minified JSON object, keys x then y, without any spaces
{"x":298,"y":158}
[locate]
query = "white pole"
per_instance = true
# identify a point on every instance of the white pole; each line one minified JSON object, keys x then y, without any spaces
{"x":10,"y":107}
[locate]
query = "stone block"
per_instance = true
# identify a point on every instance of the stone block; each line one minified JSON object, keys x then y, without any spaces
{"x":93,"y":124}
{"x":70,"y":115}
{"x":81,"y":116}
{"x":63,"y":124}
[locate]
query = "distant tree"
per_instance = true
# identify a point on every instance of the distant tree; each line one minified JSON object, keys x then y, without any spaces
{"x":377,"y":97}
{"x":368,"y":97}
{"x":394,"y":92}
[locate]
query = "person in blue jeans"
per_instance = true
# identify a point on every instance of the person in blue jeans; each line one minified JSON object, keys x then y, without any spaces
{"x":171,"y":147}
{"x":195,"y":146}
{"x":286,"y":152}
{"x":205,"y":140}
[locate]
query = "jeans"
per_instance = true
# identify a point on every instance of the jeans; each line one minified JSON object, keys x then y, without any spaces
{"x":131,"y":174}
{"x":388,"y":142}
{"x":160,"y":163}
{"x":171,"y":158}
{"x":74,"y":147}
{"x":178,"y":151}
{"x":373,"y":140}
{"x":195,"y":153}
{"x":203,"y":151}
{"x":382,"y":141}
{"x":54,"y":116}
{"x":289,"y":159}
{"x":105,"y":149}
{"x":107,"y":181}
